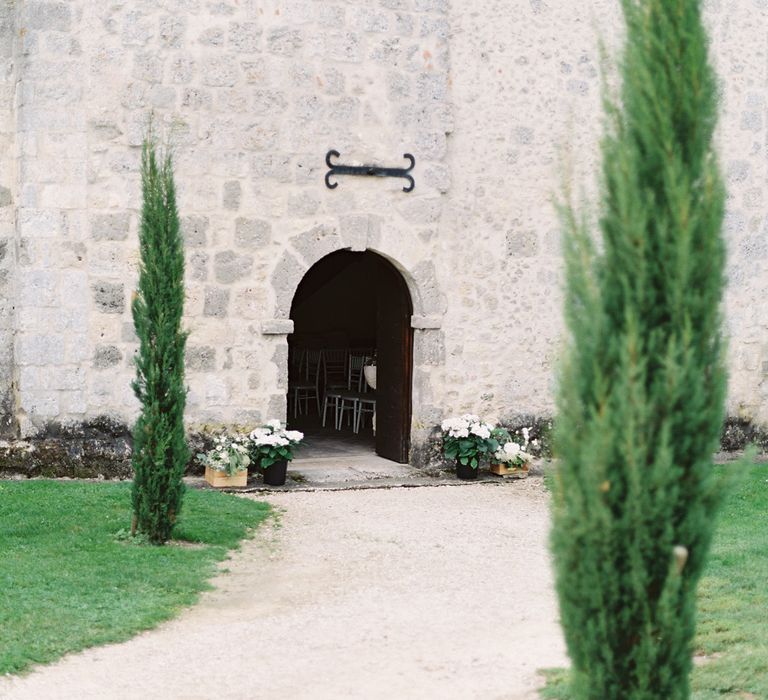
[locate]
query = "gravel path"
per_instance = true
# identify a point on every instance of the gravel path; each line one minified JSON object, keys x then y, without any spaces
{"x":404,"y":593}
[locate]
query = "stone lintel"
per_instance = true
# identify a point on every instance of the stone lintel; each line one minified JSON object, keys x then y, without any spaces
{"x":277,"y":326}
{"x":426,"y":322}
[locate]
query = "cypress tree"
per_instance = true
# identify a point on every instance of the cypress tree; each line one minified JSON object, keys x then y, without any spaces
{"x":643,"y":382}
{"x":160,"y":451}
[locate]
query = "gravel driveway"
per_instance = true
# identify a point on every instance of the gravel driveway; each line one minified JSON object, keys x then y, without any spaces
{"x":441,"y":593}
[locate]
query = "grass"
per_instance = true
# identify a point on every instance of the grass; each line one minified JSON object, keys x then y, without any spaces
{"x":732,"y":635}
{"x":69,"y":582}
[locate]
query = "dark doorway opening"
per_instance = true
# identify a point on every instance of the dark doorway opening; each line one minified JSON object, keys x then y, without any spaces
{"x":352,"y":309}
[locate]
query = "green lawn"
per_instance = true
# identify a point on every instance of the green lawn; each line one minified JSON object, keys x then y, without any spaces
{"x":69,"y":583}
{"x":732,"y":638}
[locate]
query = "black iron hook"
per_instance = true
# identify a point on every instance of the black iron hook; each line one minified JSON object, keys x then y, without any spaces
{"x":369,"y":170}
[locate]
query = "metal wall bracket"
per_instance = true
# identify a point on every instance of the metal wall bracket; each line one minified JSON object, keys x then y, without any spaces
{"x":370,"y":170}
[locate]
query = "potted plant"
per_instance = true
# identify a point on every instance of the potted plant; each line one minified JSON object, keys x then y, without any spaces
{"x":272,"y":448}
{"x":226,"y":463}
{"x":511,"y":458}
{"x":467,"y":440}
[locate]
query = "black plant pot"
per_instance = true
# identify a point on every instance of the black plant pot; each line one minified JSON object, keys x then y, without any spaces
{"x":274,"y":474}
{"x":465,"y":471}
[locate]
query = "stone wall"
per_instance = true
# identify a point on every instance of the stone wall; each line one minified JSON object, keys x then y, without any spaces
{"x":526,"y":93}
{"x":495,"y":99}
{"x":7,"y":214}
{"x":251,"y":95}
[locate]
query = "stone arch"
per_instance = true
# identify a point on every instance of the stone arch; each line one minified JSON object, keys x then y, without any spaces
{"x":426,"y":296}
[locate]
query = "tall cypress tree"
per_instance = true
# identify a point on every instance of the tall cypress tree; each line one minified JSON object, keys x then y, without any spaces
{"x":160,"y":451}
{"x":642,"y":387}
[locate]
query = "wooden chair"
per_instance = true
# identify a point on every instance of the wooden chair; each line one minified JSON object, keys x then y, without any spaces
{"x":308,"y":386}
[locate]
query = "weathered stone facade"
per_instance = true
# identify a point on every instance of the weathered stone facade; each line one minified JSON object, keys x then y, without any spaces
{"x":492,"y":98}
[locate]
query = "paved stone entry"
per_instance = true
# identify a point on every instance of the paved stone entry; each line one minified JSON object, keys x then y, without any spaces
{"x":381,"y":593}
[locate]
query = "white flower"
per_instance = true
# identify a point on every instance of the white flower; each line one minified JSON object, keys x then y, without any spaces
{"x":274,"y":424}
{"x":462,"y":433}
{"x":512,"y":449}
{"x":525,"y":434}
{"x":294,"y":435}
{"x":481,"y":430}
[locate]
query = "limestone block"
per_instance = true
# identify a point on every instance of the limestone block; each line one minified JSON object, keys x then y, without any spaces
{"x":109,"y":297}
{"x":278,"y":407}
{"x":343,"y":46}
{"x":267,"y":102}
{"x":437,"y":6}
{"x":216,"y":302}
{"x":182,"y":70}
{"x":404,"y":24}
{"x":252,"y":233}
{"x":285,"y":279}
{"x":217,"y":391}
{"x":250,"y":302}
{"x":284,"y":41}
{"x":303,"y":204}
{"x":161,"y":97}
{"x":232,"y":194}
{"x":220,"y":71}
{"x":73,"y":286}
{"x":68,"y":378}
{"x":38,"y":288}
{"x":212,"y":36}
{"x":196,"y":99}
{"x":41,"y":403}
{"x":197,"y":266}
{"x":317,"y":242}
{"x":273,"y":166}
{"x":229,"y":266}
{"x":148,"y":66}
{"x":429,"y":347}
{"x":194,"y":230}
{"x":46,"y":16}
{"x":106,"y":356}
{"x":277,"y":326}
{"x":73,"y":402}
{"x":367,"y":20}
{"x":38,"y":349}
{"x":434,"y":27}
{"x":172,"y":29}
{"x":200,"y":358}
{"x":110,"y":227}
{"x":245,"y":36}
{"x":522,"y":244}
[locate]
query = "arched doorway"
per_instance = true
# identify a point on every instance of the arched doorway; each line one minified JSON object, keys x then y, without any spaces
{"x":353,"y":305}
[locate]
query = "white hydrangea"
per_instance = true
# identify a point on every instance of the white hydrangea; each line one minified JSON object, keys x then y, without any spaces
{"x":294,"y":435}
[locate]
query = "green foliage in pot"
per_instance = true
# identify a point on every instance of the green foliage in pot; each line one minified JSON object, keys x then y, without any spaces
{"x":468,"y":440}
{"x":273,"y":443}
{"x":642,"y":388}
{"x":230,"y":454}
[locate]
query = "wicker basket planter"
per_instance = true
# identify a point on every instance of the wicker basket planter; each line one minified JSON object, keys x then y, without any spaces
{"x":512,"y":472}
{"x":219,"y":479}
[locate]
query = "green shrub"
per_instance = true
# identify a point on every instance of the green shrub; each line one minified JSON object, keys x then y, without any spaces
{"x":160,"y":451}
{"x":642,"y":388}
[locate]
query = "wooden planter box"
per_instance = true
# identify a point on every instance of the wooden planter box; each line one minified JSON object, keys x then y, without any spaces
{"x":219,"y":479}
{"x":513,"y":472}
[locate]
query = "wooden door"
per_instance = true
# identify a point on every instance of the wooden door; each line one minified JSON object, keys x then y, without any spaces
{"x":394,"y":353}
